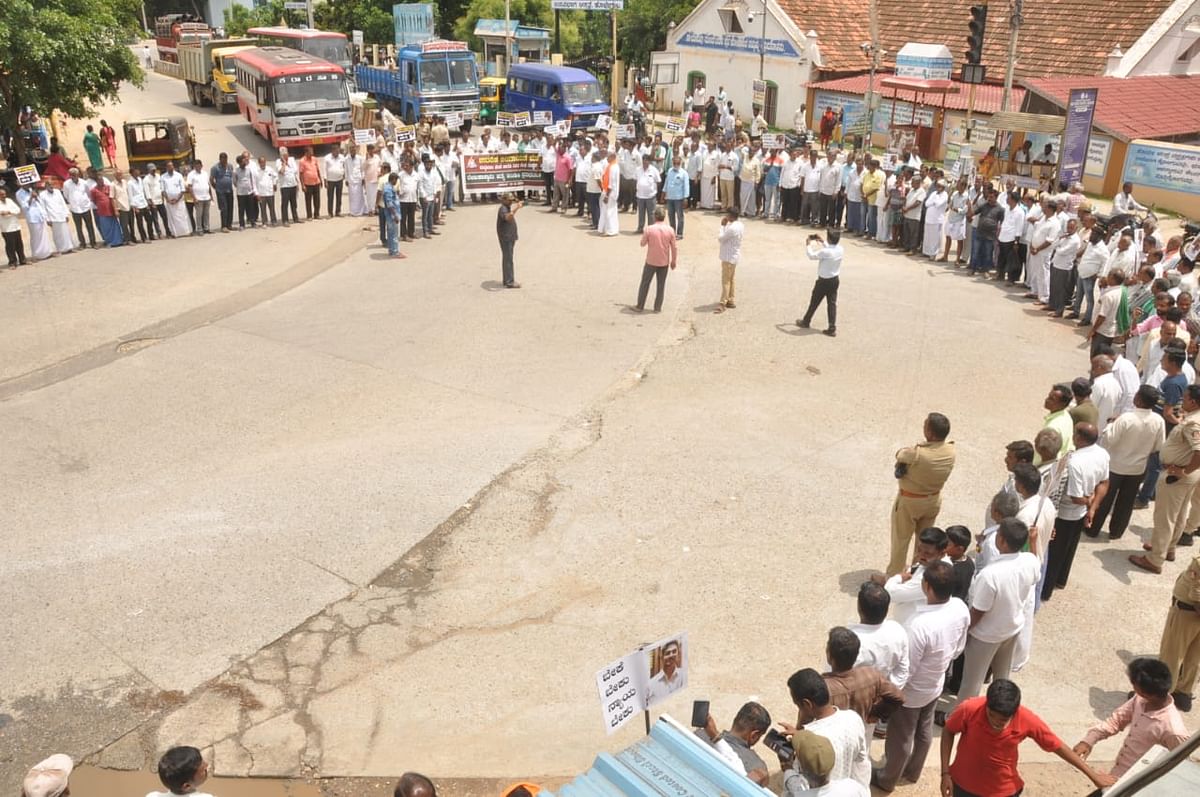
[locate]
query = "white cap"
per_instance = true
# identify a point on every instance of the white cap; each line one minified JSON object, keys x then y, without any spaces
{"x":49,"y":778}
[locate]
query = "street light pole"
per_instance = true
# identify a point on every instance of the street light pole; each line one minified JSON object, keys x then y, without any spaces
{"x":762,"y":43}
{"x":309,"y":4}
{"x":1014,"y":27}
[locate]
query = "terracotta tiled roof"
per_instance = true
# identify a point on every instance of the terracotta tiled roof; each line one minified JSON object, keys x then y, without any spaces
{"x":1059,"y":37}
{"x":1136,"y":107}
{"x":987,"y":98}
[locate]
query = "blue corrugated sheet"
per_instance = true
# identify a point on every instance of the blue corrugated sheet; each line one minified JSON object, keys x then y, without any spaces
{"x":670,"y":762}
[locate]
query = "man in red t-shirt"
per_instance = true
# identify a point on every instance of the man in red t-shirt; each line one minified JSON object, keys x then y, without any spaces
{"x":992,"y":729}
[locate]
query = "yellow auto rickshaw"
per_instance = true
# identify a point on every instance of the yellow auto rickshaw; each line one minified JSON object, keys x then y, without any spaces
{"x":160,"y":140}
{"x":491,"y":99}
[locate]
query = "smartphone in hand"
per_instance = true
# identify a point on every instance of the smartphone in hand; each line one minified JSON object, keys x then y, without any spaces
{"x":699,"y":713}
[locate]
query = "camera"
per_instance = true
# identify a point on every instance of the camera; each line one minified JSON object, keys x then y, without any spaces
{"x":750,"y":17}
{"x":778,"y":744}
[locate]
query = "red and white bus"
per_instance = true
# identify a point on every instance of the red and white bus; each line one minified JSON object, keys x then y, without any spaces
{"x":333,"y":47}
{"x":291,"y":98}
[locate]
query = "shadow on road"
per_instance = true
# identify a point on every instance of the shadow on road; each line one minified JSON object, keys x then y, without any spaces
{"x":849,"y":583}
{"x":492,"y":285}
{"x":795,"y":331}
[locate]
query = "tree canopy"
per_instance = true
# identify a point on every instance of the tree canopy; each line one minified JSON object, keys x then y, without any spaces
{"x":66,"y":54}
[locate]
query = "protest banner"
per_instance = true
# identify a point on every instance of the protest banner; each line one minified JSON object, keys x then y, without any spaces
{"x":603,"y":121}
{"x":522,"y":119}
{"x":624,"y":131}
{"x":26,"y":175}
{"x":454,"y":120}
{"x":505,"y":119}
{"x":543,"y":117}
{"x":676,"y":125}
{"x":364,"y":136}
{"x":773,"y":141}
{"x":406,"y":133}
{"x":499,"y":172}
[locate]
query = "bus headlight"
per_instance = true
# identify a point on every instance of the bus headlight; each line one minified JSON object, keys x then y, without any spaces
{"x":287,"y":131}
{"x":340,"y":128}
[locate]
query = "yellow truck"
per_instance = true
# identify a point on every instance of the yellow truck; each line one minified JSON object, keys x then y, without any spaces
{"x":209,"y":73}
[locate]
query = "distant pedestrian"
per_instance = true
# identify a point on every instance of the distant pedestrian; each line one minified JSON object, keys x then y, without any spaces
{"x":108,"y":140}
{"x":506,"y":232}
{"x":10,"y":227}
{"x":391,"y":211}
{"x":147,"y":58}
{"x":730,"y":239}
{"x":828,"y":254}
{"x":91,"y":144}
{"x":661,"y":252}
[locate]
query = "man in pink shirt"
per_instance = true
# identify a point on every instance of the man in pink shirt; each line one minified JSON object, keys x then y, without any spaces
{"x":564,"y":167}
{"x":1150,"y":715}
{"x":659,"y":240}
{"x":310,"y":178}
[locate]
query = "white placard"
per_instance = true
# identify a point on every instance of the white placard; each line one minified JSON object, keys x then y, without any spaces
{"x":773,"y":141}
{"x":624,"y":131}
{"x":642,"y":679}
{"x":356,"y":36}
{"x":296,"y":5}
{"x":622,"y":690}
{"x":505,"y":119}
{"x":522,"y":119}
{"x":364,"y":136}
{"x":603,"y":121}
{"x":454,"y":120}
{"x":27,"y":174}
{"x":1097,"y":156}
{"x":543,"y":117}
{"x":559,"y":129}
{"x":676,"y":125}
{"x":587,"y":5}
{"x":406,"y":133}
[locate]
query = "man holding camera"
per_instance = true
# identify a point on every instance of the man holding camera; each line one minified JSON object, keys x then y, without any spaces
{"x":921,"y":472}
{"x":829,"y":267}
{"x":736,"y":745}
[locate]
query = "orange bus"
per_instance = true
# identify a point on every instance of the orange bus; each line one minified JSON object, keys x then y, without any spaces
{"x":292,"y":98}
{"x":333,"y":47}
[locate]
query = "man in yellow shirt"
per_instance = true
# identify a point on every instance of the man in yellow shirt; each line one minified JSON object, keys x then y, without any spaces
{"x":872,"y":181}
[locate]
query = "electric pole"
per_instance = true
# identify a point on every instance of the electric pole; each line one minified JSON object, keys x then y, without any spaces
{"x":1014,"y":26}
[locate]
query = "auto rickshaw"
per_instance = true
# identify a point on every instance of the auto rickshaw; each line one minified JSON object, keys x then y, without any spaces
{"x":160,"y":140}
{"x":491,"y":99}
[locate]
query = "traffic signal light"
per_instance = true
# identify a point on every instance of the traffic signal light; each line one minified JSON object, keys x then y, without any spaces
{"x":975,"y":40}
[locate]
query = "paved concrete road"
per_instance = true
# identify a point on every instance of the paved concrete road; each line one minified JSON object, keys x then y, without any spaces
{"x":389,"y":513}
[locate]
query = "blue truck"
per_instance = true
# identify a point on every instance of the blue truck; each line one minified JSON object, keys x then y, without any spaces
{"x":431,"y":78}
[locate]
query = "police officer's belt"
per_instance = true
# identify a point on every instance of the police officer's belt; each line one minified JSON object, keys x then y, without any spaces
{"x":1187,"y":607}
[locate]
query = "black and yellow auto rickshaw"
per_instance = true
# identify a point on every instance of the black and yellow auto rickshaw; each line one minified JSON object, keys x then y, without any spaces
{"x":158,"y":141}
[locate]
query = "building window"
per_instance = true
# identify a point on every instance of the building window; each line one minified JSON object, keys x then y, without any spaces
{"x":772,"y":102}
{"x":694,"y":79}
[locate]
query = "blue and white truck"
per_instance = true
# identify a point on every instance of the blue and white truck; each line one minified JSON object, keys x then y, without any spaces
{"x":435,"y":77}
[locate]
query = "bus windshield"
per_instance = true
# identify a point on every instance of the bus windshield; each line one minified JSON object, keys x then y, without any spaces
{"x":582,"y":93}
{"x":332,"y":49}
{"x":305,"y":96}
{"x":442,"y":75}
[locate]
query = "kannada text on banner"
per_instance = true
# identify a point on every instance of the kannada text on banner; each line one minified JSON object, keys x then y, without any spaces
{"x":510,"y":171}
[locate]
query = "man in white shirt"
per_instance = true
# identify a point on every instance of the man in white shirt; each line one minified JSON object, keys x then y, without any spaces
{"x":729,"y":239}
{"x":828,"y":255}
{"x":1062,"y":265}
{"x":935,"y":215}
{"x":265,"y":181}
{"x":200,"y":184}
{"x":790,"y":178}
{"x":1124,"y":204}
{"x":335,"y":180}
{"x":911,"y":236}
{"x":842,"y":727}
{"x":998,"y":595}
{"x":75,"y":191}
{"x":173,"y":190}
{"x":1011,"y":228}
{"x":646,"y":180}
{"x":1087,"y":483}
{"x":1130,"y":440}
{"x":830,"y":180}
{"x":937,"y":634}
{"x":810,"y":199}
{"x":289,"y":182}
{"x":1106,"y":390}
{"x":1092,"y":268}
{"x":883,"y":643}
{"x":727,"y":168}
{"x":809,"y":772}
{"x":429,"y":184}
{"x":905,"y":588}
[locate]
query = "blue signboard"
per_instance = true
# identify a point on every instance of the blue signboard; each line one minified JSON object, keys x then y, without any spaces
{"x":1174,"y":168}
{"x":1073,"y":152}
{"x":414,"y":23}
{"x":736,"y":43}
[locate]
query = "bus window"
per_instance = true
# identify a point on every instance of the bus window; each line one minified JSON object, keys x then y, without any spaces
{"x":539,"y":89}
{"x":410,"y":74}
{"x":583,"y":93}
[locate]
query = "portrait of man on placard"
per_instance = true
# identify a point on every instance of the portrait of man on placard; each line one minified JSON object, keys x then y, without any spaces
{"x":667,"y":665}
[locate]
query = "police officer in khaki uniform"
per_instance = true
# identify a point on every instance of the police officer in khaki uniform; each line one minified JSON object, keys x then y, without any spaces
{"x":1180,"y":647}
{"x":922,"y":470}
{"x":1180,"y":457}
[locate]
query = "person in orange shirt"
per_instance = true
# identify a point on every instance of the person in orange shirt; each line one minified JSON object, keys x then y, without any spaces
{"x":661,"y":253}
{"x":310,"y":179}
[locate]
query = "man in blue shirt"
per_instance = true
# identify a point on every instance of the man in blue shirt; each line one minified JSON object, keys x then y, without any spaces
{"x":221,"y":176}
{"x":677,"y":188}
{"x":391,"y":211}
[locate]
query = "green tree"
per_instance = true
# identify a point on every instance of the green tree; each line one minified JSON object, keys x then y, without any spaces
{"x":372,"y":17}
{"x":239,"y":19}
{"x":65,"y":54}
{"x":642,"y":27}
